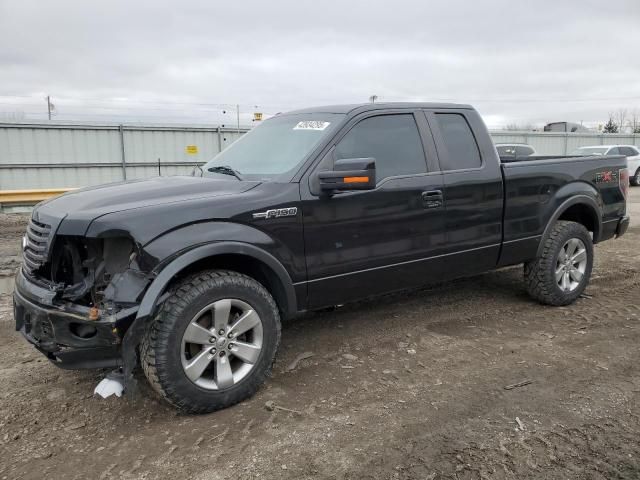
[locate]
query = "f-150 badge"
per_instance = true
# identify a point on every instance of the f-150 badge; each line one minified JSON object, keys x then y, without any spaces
{"x":277,"y":212}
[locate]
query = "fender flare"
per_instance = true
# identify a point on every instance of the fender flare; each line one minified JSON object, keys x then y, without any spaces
{"x":564,"y":206}
{"x":150,"y":299}
{"x":158,"y":285}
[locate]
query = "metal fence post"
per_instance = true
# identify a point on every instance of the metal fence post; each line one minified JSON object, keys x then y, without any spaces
{"x":566,"y":142}
{"x":219,"y":139}
{"x":122,"y":152}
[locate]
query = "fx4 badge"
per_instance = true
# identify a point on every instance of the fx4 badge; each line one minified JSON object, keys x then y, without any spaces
{"x":277,"y":212}
{"x":606,"y":177}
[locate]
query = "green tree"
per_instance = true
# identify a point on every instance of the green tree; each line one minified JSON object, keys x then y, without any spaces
{"x":610,"y":126}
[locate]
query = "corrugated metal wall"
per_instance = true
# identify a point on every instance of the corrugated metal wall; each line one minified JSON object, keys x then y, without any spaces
{"x":553,"y":143}
{"x":58,"y":156}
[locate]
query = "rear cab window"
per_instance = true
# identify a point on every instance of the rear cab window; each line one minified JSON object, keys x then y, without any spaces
{"x":462,"y":152}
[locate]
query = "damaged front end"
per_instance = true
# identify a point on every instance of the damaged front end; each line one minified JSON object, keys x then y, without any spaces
{"x":75,"y":296}
{"x":99,"y":273}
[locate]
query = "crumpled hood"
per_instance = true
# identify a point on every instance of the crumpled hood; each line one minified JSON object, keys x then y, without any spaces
{"x":80,"y":207}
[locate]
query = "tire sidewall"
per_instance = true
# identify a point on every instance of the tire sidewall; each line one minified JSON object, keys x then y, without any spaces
{"x":573,"y":230}
{"x":182,"y":313}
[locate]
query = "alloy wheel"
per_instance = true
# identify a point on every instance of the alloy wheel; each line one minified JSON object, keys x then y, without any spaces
{"x":221,"y":344}
{"x":571,"y":264}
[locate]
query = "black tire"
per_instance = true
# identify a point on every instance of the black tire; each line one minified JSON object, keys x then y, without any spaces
{"x":539,"y":274}
{"x":635,"y":180}
{"x":160,"y":350}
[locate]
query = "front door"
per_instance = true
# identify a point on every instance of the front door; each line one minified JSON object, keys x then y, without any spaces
{"x":363,"y":243}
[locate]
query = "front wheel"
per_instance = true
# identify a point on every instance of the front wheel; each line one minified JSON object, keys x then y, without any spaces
{"x":213,"y":342}
{"x":635,"y":180}
{"x":562,"y":271}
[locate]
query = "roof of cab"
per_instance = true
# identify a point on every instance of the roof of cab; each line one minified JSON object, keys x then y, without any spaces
{"x":364,"y":107}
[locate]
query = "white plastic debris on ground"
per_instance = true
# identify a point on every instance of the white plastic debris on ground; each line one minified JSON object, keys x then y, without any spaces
{"x":108,"y":387}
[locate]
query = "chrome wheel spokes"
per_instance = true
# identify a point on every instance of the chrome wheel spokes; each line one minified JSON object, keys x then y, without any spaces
{"x":221,"y":344}
{"x":571,"y":264}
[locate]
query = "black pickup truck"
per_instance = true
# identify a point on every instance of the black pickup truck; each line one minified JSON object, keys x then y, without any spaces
{"x":190,"y":277}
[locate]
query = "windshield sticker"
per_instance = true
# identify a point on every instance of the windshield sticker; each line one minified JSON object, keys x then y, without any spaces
{"x":311,"y":125}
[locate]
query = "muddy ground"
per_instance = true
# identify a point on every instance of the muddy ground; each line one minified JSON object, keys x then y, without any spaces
{"x":408,"y":386}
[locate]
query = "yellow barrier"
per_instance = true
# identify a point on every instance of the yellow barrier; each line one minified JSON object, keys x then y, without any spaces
{"x":28,"y":197}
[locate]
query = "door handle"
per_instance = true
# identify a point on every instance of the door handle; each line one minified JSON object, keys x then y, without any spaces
{"x":432,"y":199}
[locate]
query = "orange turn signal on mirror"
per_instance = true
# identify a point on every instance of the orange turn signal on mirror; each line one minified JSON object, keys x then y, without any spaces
{"x":356,"y":179}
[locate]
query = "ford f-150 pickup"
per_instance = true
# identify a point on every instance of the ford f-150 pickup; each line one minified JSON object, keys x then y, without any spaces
{"x":189,"y":277}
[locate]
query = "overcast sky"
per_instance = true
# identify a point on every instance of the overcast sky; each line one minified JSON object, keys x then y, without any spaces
{"x":516,"y":61}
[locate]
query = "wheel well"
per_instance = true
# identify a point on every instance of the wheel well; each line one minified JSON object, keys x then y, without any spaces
{"x":584,"y":215}
{"x":246,"y":265}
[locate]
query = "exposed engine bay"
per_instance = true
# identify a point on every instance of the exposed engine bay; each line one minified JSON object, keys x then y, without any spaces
{"x":101,"y":273}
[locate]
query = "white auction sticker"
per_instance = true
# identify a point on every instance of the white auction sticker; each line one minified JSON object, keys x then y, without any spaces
{"x":311,"y":125}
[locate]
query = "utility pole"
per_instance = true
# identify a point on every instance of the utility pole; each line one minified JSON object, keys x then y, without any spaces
{"x":49,"y":106}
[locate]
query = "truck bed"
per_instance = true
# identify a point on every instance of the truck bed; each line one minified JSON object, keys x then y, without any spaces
{"x":537,"y":187}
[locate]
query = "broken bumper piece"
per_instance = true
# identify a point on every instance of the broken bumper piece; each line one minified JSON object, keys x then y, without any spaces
{"x":64,"y":335}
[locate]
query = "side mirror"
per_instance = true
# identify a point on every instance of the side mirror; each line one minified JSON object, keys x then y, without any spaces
{"x":348,"y":174}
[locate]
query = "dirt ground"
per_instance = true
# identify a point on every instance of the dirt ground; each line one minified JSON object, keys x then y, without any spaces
{"x":408,"y":386}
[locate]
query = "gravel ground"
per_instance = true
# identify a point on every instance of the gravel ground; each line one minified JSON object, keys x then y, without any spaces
{"x":408,"y":386}
{"x":11,"y":229}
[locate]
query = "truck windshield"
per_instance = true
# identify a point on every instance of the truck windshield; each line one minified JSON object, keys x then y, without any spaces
{"x":273,"y":149}
{"x":590,"y":151}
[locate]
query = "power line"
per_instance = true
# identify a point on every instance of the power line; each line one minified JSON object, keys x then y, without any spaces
{"x":259,"y":104}
{"x":151,"y":102}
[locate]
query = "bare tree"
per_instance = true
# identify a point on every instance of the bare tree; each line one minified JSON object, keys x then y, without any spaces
{"x":634,"y":121}
{"x":16,"y":116}
{"x":621,"y":119}
{"x":514,"y":127}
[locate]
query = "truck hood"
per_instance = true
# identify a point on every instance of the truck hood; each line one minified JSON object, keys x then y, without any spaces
{"x":79,"y":208}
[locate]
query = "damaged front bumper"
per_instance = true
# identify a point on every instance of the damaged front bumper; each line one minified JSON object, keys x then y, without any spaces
{"x":63,"y":332}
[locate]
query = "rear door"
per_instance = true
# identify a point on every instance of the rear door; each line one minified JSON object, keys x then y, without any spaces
{"x":362,"y":243}
{"x":473,"y":189}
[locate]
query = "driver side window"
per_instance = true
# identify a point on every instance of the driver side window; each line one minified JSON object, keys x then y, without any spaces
{"x":393,"y":140}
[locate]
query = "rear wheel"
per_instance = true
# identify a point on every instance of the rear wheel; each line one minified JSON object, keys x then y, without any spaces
{"x":213,"y":342}
{"x":562,"y":271}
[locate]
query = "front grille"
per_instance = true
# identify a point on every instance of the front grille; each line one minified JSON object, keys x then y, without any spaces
{"x":36,"y":245}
